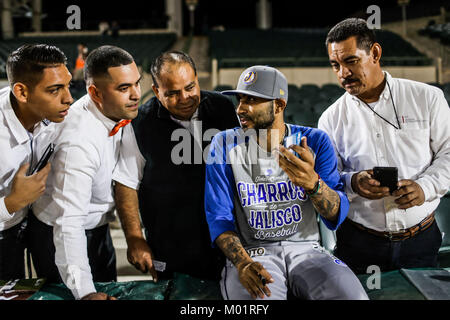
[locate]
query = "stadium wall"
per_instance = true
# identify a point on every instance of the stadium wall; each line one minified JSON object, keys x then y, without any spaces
{"x":321,"y":76}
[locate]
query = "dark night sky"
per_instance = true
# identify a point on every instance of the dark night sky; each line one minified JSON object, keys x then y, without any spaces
{"x":230,"y":13}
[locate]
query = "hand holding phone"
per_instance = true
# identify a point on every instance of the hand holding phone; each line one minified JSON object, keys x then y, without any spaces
{"x":27,"y":188}
{"x":44,"y":159}
{"x":387,"y":176}
{"x":366,"y":185}
{"x":410,"y":194}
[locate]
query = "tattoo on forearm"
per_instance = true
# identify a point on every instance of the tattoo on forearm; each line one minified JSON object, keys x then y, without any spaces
{"x":232,"y":247}
{"x":326,"y":202}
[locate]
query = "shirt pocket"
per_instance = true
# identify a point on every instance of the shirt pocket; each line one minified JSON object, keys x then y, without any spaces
{"x":413,"y":147}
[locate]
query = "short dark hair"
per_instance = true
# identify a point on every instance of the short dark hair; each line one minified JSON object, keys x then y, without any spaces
{"x":101,"y":59}
{"x":350,"y":27}
{"x":169,"y":57}
{"x":27,"y":63}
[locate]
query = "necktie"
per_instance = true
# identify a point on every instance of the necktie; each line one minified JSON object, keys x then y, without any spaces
{"x":119,"y":125}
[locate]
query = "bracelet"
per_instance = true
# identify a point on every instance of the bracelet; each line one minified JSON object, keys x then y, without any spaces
{"x":316,"y":188}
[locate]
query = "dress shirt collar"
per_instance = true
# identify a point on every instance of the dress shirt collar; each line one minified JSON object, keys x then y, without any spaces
{"x":20,"y":134}
{"x":92,"y":107}
{"x":186,"y":123}
{"x":385,"y":94}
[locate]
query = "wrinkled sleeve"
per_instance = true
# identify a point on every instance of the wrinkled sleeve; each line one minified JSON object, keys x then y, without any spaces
{"x":346,"y":176}
{"x":75,"y":165}
{"x":4,"y":213}
{"x":435,"y":180}
{"x":130,"y":166}
{"x":219,"y":195}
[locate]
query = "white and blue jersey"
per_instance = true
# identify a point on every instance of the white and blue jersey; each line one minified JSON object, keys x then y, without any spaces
{"x":248,"y":193}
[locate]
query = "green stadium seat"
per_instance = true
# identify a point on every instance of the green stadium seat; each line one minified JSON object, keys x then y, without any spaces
{"x":320,"y":106}
{"x":223,"y":88}
{"x":309,"y":89}
{"x":240,"y":48}
{"x":327,"y":236}
{"x":305,"y":118}
{"x":443,"y":221}
{"x":143,"y":47}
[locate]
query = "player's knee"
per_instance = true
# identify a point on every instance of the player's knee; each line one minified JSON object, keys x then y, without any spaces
{"x":348,"y":287}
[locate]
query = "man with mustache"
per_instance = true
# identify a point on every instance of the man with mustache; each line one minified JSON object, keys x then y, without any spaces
{"x":37,"y":97}
{"x":386,"y":122}
{"x":260,"y":200}
{"x":69,"y":232}
{"x":170,"y":182}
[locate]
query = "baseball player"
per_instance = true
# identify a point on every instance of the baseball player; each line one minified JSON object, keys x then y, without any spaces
{"x":261,"y":198}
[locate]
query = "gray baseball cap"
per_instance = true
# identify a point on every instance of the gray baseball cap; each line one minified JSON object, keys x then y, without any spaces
{"x":263,"y":82}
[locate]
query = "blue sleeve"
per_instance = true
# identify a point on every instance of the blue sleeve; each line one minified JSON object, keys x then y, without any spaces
{"x":326,"y":167}
{"x":219,"y":195}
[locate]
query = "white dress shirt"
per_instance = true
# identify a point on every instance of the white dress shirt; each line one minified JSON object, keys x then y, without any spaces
{"x":130,"y":167}
{"x":420,"y":149}
{"x":18,"y":146}
{"x":193,"y":125}
{"x":79,"y":192}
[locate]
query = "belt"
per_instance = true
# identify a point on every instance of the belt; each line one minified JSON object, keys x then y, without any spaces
{"x":401,"y":235}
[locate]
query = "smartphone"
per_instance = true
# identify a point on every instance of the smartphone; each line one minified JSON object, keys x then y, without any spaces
{"x":295,"y":138}
{"x":387,"y":176}
{"x":44,"y":159}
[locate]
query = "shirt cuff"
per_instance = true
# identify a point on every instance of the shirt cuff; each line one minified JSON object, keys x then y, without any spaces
{"x":347,"y":179}
{"x":85,"y":288}
{"x":426,"y":187}
{"x":4,"y":213}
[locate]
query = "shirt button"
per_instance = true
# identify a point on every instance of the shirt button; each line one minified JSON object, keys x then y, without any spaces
{"x":378,"y":135}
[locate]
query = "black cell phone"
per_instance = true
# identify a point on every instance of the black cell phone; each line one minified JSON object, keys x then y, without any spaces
{"x":44,"y":159}
{"x":387,"y":176}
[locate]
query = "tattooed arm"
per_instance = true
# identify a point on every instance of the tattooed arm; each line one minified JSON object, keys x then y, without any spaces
{"x":301,"y":172}
{"x":252,"y":275}
{"x":326,"y":201}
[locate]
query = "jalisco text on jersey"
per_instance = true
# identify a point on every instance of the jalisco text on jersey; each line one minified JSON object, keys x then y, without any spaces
{"x":269,"y":219}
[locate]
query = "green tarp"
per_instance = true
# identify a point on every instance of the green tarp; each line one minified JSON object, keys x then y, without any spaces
{"x":394,"y":285}
{"x":181,"y":287}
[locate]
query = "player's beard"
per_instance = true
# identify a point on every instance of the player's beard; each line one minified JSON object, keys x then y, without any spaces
{"x":262,"y":120}
{"x":265,"y":119}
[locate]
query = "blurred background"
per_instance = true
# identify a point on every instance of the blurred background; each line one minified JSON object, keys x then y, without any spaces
{"x":225,"y":37}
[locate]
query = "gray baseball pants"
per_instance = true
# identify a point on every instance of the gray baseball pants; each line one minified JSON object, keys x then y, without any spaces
{"x":305,"y":268}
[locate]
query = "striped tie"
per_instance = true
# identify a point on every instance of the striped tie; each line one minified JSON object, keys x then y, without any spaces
{"x":119,"y":125}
